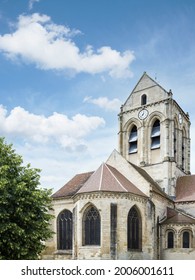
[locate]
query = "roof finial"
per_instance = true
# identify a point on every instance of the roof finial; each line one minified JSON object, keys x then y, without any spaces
{"x":170,"y":92}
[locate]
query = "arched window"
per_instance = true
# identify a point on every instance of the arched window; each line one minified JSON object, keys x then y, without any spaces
{"x":143,"y":99}
{"x":170,"y":239}
{"x":91,"y":226}
{"x":186,"y":239}
{"x":134,"y":229}
{"x":175,"y":144}
{"x":133,"y":140}
{"x":155,"y":135}
{"x":65,"y":230}
{"x":183,"y":149}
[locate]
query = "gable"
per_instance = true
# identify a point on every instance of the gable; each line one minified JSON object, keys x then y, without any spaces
{"x":123,"y":166}
{"x":138,"y":176}
{"x":145,"y":86}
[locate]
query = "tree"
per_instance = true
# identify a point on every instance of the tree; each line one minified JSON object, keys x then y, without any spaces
{"x":24,"y":208}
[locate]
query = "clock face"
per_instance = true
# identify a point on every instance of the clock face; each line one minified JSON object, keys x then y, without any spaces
{"x":143,"y":114}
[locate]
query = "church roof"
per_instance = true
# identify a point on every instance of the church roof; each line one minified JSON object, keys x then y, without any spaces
{"x":155,"y":187}
{"x":185,"y":188}
{"x":107,"y":178}
{"x":72,"y":186}
{"x":177,"y":217}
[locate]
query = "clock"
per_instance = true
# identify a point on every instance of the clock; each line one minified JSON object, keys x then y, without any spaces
{"x":180,"y":118}
{"x":143,"y":114}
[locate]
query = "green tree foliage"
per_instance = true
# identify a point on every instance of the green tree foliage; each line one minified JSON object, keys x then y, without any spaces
{"x":24,"y":208}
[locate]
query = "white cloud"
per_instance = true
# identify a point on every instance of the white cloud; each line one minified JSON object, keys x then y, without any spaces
{"x":31,"y":3}
{"x":69,"y":133}
{"x":105,"y":103}
{"x":58,"y":166}
{"x":39,"y":41}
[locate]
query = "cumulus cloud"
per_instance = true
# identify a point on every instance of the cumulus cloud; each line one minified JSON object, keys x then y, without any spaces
{"x":105,"y":103}
{"x":69,"y":133}
{"x":36,"y":39}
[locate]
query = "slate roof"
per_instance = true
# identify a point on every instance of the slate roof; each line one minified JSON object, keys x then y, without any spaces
{"x":70,"y":188}
{"x":176,"y":217}
{"x":107,"y":178}
{"x":185,"y":188}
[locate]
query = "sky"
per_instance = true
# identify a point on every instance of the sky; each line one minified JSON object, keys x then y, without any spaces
{"x":66,"y":66}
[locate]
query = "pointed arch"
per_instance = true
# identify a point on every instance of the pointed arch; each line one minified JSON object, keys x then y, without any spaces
{"x":91,"y":226}
{"x":134,"y":229}
{"x":64,"y":230}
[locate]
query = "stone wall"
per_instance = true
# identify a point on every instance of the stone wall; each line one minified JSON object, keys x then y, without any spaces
{"x":177,"y":252}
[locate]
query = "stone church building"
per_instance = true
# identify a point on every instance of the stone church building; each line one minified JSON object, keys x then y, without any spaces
{"x":140,"y":203}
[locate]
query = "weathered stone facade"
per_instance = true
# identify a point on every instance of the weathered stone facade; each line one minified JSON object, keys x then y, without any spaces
{"x":164,"y":164}
{"x":139,"y":204}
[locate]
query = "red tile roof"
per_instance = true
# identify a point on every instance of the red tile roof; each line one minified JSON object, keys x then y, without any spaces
{"x":72,"y":186}
{"x":185,"y":188}
{"x":107,"y":178}
{"x":177,"y":217}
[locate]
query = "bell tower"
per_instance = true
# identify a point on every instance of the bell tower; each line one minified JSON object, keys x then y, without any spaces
{"x":154,"y":133}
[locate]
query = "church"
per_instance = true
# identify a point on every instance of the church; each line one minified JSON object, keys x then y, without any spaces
{"x":140,"y":203}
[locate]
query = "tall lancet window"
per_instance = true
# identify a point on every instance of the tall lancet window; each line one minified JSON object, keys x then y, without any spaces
{"x":133,"y":140}
{"x":155,"y":135}
{"x":91,"y":226}
{"x":183,"y":150}
{"x":134,"y":229}
{"x":175,"y":144}
{"x":65,"y":230}
{"x":143,"y":99}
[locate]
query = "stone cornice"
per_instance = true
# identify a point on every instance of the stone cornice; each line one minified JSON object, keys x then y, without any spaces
{"x":145,"y":106}
{"x":184,"y":202}
{"x":116,"y":195}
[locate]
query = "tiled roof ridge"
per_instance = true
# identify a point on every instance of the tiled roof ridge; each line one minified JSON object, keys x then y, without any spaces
{"x":101,"y":177}
{"x":107,"y":165}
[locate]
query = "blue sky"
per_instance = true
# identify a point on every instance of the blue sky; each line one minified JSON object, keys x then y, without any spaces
{"x":68,"y":65}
